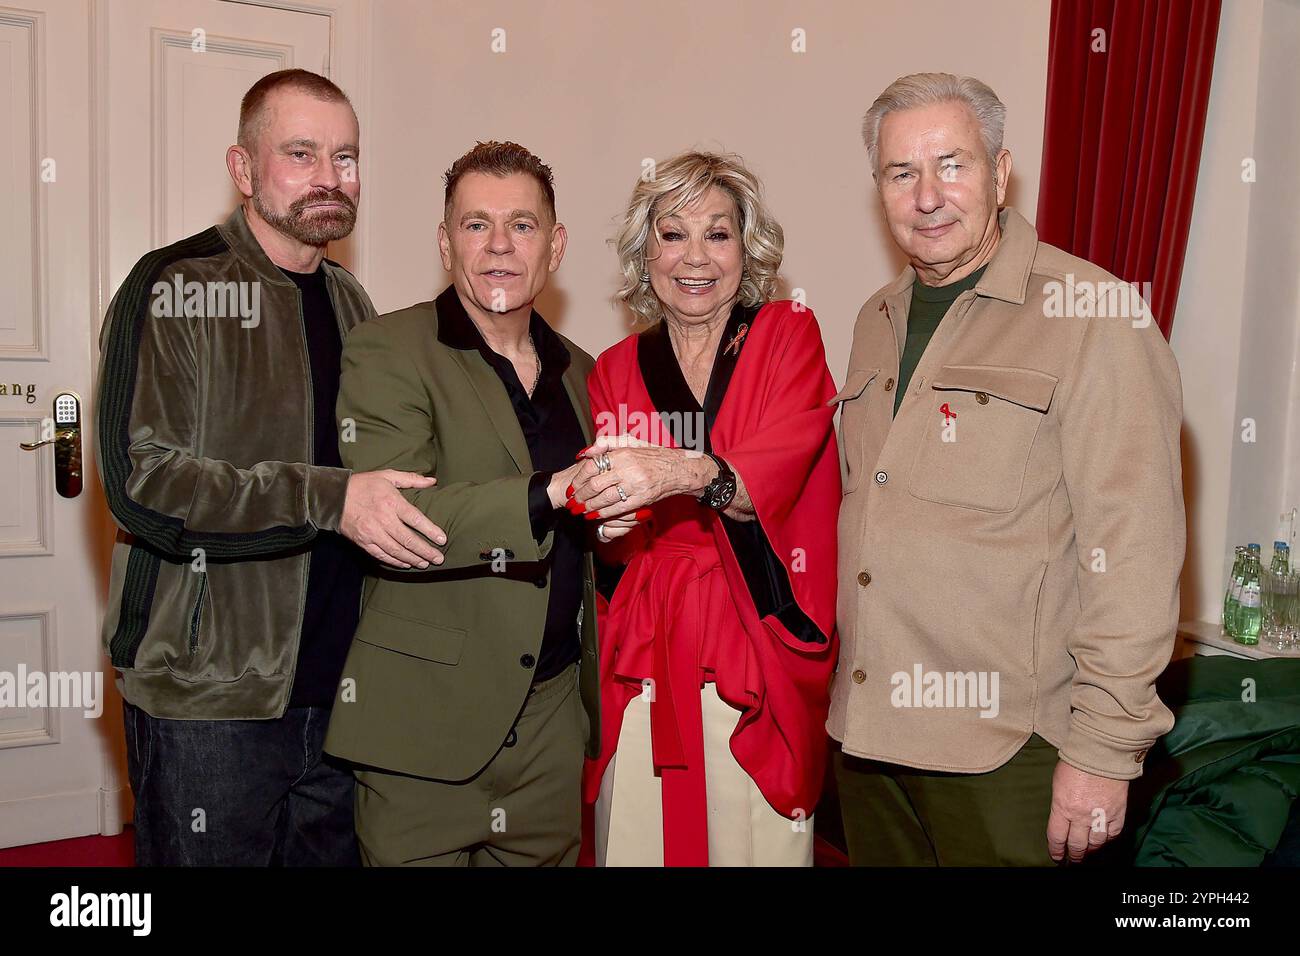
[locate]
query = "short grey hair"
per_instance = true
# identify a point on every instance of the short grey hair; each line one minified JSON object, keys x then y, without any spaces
{"x":925,"y":89}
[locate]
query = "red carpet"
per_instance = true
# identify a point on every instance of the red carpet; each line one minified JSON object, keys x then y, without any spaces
{"x":83,"y":851}
{"x":119,"y":851}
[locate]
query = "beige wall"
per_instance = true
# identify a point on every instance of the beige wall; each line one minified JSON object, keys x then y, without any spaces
{"x":595,"y":88}
{"x":1235,"y":329}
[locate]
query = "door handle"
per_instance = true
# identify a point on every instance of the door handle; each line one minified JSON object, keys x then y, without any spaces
{"x":66,"y":439}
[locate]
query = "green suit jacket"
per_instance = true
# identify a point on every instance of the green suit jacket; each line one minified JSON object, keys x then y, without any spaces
{"x":443,"y":658}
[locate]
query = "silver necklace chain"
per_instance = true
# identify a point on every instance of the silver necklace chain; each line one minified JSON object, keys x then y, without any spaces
{"x":538,"y":359}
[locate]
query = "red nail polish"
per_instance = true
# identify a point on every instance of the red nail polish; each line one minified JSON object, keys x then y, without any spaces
{"x":569,"y":492}
{"x":592,"y":515}
{"x":576,"y":507}
{"x":643,"y":514}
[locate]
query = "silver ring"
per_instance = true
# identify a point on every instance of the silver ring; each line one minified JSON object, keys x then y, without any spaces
{"x":602,"y":463}
{"x":622,"y":496}
{"x":600,"y":533}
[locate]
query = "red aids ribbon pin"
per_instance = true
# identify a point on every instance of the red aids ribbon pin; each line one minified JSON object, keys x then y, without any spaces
{"x":947,"y":412}
{"x":741,"y":332}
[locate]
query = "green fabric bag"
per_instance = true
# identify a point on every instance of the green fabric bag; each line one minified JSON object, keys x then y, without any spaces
{"x":1220,"y":787}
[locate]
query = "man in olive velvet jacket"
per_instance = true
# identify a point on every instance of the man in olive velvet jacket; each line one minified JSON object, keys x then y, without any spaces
{"x":235,"y":580}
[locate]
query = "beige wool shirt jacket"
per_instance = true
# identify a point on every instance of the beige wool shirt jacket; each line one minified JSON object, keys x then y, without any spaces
{"x":1010,"y":544}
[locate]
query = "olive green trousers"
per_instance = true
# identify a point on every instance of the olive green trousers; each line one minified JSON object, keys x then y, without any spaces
{"x":523,"y":809}
{"x":899,"y":816}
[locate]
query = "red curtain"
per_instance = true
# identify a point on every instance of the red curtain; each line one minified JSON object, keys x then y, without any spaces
{"x":1122,"y":138}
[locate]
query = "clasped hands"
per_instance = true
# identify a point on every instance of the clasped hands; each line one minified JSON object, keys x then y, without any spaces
{"x":639,"y":474}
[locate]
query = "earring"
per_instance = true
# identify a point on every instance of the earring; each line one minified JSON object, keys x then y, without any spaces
{"x":645,"y":277}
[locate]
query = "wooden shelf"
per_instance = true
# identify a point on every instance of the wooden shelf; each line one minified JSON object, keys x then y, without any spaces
{"x":1205,"y":637}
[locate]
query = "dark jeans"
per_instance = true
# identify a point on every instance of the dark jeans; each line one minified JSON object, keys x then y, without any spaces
{"x":239,"y":792}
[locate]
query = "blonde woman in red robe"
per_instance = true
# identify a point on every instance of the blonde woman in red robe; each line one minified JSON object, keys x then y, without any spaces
{"x":715,"y":486}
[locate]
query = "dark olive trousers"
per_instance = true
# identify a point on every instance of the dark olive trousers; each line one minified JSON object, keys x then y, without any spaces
{"x":523,"y":809}
{"x":899,"y":816}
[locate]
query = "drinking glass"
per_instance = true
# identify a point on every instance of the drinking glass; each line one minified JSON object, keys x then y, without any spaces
{"x":1287,"y":637}
{"x":1272,"y":591}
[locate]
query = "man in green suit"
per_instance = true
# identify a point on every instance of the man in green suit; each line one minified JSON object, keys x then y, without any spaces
{"x":471,"y":688}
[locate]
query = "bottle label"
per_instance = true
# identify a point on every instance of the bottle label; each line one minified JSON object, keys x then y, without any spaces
{"x":1249,"y":597}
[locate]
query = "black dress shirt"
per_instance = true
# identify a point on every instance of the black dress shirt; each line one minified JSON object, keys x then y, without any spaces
{"x":554,"y":437}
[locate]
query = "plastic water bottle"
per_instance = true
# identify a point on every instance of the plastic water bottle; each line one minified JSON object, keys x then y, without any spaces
{"x":1281,"y":558}
{"x":1249,"y":614}
{"x":1231,"y":595}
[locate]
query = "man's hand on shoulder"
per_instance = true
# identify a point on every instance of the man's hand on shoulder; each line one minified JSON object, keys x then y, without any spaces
{"x":387,"y":526}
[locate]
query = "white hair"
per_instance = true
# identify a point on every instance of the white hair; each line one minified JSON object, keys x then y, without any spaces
{"x":925,"y":89}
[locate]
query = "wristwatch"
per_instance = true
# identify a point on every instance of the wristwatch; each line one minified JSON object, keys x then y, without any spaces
{"x":719,"y":492}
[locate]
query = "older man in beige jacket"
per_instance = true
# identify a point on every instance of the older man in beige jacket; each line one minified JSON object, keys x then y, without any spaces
{"x":1012,"y":528}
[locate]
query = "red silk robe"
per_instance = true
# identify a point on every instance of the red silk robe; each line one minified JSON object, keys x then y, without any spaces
{"x":684,"y":610}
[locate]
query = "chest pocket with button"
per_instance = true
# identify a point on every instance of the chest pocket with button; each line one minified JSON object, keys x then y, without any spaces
{"x":998,"y":410}
{"x":856,"y":398}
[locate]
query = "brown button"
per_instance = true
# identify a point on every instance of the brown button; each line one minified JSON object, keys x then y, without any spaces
{"x":864,"y":578}
{"x":1139,"y":756}
{"x":889,"y":384}
{"x":981,"y":398}
{"x":859,"y":676}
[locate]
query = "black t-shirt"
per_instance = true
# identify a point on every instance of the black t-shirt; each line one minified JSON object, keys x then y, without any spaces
{"x":334,"y":579}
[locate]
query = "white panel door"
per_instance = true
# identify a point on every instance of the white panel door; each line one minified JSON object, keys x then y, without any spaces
{"x":53,"y":758}
{"x":177,"y":70}
{"x":115,"y":116}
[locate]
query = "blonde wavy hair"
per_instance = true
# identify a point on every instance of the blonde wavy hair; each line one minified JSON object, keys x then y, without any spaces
{"x":677,"y":183}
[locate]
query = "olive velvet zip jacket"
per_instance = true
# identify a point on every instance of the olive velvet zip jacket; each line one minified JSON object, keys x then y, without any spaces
{"x":204,"y":443}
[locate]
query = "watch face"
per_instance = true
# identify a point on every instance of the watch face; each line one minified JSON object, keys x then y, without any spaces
{"x":721,"y":491}
{"x":727,"y":492}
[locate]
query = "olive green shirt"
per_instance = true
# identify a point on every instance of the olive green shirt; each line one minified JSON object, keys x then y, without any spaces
{"x":929,"y":306}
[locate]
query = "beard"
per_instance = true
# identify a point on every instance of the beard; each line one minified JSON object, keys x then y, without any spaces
{"x":314,"y":227}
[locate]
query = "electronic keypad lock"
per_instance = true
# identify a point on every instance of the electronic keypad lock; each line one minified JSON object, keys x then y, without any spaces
{"x":64,"y":433}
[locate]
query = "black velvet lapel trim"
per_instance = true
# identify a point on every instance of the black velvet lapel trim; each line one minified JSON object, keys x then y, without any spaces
{"x":663,"y":377}
{"x":458,"y":331}
{"x":454,"y":326}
